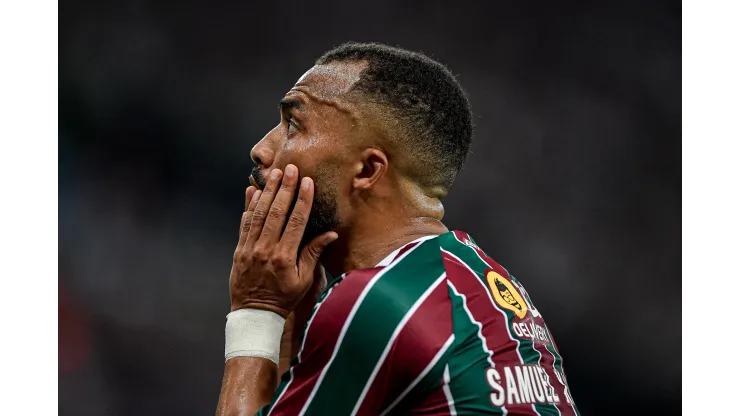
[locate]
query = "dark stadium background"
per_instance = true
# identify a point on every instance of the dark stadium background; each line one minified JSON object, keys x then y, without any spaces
{"x":573,"y":182}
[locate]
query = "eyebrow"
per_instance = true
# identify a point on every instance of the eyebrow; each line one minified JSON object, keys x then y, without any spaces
{"x":290,"y":103}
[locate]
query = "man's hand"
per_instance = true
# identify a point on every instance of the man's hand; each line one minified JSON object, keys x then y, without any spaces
{"x":268,"y":272}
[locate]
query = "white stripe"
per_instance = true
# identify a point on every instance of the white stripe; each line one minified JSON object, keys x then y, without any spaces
{"x":345,"y":327}
{"x":389,"y":258}
{"x":506,"y":319}
{"x":474,"y":322}
{"x":423,"y":374}
{"x":300,"y":351}
{"x":394,"y":335}
{"x":448,"y":393}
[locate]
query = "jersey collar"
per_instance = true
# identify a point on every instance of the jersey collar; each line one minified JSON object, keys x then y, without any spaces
{"x":389,"y":258}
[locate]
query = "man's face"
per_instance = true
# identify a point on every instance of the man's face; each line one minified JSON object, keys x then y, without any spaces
{"x":315,"y":133}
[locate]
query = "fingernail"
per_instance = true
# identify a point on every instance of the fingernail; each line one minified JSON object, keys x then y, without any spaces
{"x":290,"y":170}
{"x":256,"y":195}
{"x":304,"y":183}
{"x":275,"y":174}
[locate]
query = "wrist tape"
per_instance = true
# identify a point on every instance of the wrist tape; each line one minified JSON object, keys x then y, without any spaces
{"x":254,"y":333}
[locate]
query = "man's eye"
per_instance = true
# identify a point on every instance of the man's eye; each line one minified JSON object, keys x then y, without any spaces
{"x":292,"y":125}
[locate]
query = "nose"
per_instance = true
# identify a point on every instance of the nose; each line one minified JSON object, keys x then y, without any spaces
{"x":262,"y":154}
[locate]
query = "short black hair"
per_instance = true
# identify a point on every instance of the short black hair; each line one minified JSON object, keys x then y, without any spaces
{"x":425,"y":97}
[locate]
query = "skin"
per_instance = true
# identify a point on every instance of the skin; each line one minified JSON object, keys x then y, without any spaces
{"x":341,"y":142}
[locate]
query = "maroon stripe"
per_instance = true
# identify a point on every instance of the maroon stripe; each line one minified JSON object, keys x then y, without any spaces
{"x":321,"y":338}
{"x":435,"y":404}
{"x":414,"y":348}
{"x":549,"y":334}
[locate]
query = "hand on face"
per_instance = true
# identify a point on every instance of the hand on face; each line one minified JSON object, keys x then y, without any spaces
{"x":268,"y":272}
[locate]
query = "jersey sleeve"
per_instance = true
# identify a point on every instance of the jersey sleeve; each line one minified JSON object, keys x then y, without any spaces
{"x":366,"y":346}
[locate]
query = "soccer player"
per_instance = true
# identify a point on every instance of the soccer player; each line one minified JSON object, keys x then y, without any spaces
{"x":420,"y":320}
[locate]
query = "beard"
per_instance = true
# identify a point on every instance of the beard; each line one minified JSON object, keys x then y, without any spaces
{"x":324,"y":215}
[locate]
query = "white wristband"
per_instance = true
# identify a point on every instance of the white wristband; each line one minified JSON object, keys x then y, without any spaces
{"x":254,"y":333}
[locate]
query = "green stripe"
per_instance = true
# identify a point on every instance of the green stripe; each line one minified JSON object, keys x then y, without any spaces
{"x":468,"y":363}
{"x":526,"y":348}
{"x":370,"y":330}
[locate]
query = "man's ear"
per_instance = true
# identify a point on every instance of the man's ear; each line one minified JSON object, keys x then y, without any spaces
{"x":373,"y":164}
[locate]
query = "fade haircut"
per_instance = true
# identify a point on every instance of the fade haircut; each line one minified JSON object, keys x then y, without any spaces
{"x":427,"y":103}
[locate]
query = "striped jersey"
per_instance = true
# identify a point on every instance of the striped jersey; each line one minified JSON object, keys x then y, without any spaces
{"x":436,"y":328}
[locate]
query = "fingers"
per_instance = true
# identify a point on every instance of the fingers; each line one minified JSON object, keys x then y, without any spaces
{"x":250,"y":192}
{"x":248,"y":196}
{"x":251,"y":204}
{"x":293,"y":234}
{"x":311,"y":253}
{"x":263,"y":206}
{"x":276,"y":216}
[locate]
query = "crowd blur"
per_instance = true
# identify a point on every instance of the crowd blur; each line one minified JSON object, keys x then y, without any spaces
{"x":573,"y":182}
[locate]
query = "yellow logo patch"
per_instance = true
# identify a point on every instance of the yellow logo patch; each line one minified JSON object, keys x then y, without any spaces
{"x":506,"y":294}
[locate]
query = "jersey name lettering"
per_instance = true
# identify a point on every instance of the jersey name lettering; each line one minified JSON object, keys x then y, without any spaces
{"x":521,"y":384}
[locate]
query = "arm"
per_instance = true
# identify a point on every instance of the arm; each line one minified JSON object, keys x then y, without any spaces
{"x":248,"y":384}
{"x":270,"y":274}
{"x":261,"y":372}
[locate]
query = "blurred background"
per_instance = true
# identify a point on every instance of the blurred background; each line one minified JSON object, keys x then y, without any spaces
{"x":573,"y":183}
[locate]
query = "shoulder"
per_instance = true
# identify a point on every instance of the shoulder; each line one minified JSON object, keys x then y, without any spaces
{"x":462,"y":254}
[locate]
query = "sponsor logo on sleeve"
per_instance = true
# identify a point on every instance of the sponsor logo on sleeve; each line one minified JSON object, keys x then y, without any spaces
{"x":505,"y":294}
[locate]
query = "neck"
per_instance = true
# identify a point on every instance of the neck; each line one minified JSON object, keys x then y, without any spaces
{"x":399,"y":213}
{"x":364,"y":247}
